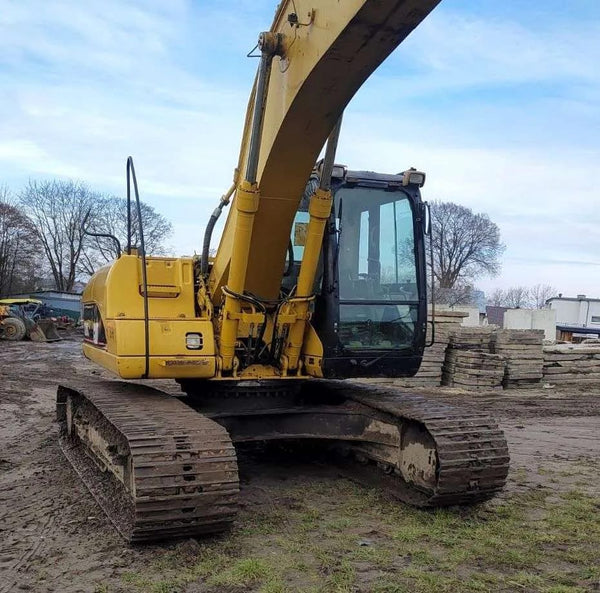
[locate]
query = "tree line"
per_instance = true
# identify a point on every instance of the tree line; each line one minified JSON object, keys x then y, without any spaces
{"x":523,"y":297}
{"x":44,"y":233}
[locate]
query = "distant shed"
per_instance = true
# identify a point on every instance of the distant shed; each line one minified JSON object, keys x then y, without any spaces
{"x":61,"y":303}
{"x":574,"y":333}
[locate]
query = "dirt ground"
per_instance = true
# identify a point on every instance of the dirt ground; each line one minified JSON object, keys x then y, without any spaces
{"x":302,"y":526}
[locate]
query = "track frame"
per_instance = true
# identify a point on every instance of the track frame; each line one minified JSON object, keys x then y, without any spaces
{"x":163,"y":467}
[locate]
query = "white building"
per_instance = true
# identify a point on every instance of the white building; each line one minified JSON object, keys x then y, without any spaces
{"x":576,"y":312}
{"x":532,"y":319}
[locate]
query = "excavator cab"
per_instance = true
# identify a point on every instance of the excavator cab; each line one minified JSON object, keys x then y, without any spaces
{"x":370,"y":309}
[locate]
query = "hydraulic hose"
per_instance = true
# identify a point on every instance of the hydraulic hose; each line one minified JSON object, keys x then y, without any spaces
{"x":211,"y":226}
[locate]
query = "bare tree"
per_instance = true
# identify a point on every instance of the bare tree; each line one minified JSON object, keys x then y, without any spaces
{"x":497,"y":298}
{"x":521,"y":296}
{"x":465,"y":244}
{"x":459,"y":294}
{"x":540,"y":293}
{"x":517,"y":296}
{"x":58,"y":211}
{"x":19,"y":248}
{"x":111,"y":218}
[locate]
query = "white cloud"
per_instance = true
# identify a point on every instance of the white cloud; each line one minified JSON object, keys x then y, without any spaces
{"x":89,"y":84}
{"x":465,"y":50}
{"x":28,"y":156}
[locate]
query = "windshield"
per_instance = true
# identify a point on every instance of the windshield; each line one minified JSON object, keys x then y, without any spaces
{"x":377,"y":254}
{"x":377,"y":270}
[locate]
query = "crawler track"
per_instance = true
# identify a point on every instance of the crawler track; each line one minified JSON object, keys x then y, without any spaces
{"x":158,"y":469}
{"x":432,"y":454}
{"x":472,"y":452}
{"x":161,"y":469}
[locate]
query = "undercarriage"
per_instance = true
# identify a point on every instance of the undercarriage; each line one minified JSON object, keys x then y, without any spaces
{"x":163,"y":467}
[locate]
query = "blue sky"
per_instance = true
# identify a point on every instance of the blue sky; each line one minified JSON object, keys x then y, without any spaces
{"x":497,"y":101}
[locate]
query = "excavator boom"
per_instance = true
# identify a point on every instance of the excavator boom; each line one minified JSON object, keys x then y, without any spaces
{"x":321,"y":61}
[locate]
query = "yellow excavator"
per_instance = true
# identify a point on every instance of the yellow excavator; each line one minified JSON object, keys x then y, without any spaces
{"x":319,"y":277}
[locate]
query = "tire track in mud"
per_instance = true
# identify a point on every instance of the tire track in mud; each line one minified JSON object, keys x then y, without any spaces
{"x":23,"y":561}
{"x":50,"y":529}
{"x":30,"y":505}
{"x":43,"y":508}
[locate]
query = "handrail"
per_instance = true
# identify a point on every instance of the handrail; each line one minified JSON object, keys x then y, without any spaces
{"x":430,"y":235}
{"x":131,"y":175}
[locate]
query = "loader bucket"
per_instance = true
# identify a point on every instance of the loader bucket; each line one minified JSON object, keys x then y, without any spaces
{"x":42,"y":331}
{"x":35,"y":334}
{"x":48,"y":328}
{"x":32,"y":331}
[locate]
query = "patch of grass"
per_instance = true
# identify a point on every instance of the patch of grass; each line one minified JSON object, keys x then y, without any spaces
{"x":135,"y":579}
{"x":535,"y":541}
{"x":338,"y":524}
{"x":520,"y":475}
{"x":310,"y":519}
{"x":430,"y":582}
{"x":522,"y":534}
{"x":375,"y":555}
{"x":526,"y":580}
{"x":244,"y":572}
{"x":264,"y":523}
{"x":181,"y":554}
{"x":210,"y":562}
{"x":341,"y":578}
{"x":591,"y":572}
{"x":148,"y":584}
{"x":166,"y":587}
{"x":325,"y":558}
{"x":274,"y":586}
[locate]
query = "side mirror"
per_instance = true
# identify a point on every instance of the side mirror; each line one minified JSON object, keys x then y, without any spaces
{"x":426,"y":218}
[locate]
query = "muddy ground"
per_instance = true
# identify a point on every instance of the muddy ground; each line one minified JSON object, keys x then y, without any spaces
{"x":302,"y":526}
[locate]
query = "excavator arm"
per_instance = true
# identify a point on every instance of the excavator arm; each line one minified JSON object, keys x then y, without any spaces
{"x":154,"y":317}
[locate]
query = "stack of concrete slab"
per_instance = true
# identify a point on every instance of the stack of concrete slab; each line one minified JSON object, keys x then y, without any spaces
{"x":473,"y":369}
{"x":472,"y":338}
{"x":469,"y":364}
{"x":447,"y":323}
{"x":523,"y":351}
{"x":572,"y":364}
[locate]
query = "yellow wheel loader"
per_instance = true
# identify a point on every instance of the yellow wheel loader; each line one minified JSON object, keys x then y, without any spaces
{"x":319,"y":278}
{"x":18,"y":321}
